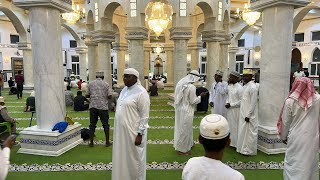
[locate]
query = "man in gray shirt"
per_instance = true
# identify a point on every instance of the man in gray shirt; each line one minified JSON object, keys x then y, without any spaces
{"x":99,"y":91}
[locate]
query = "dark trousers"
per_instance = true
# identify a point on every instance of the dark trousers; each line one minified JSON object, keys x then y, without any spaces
{"x":104,"y":118}
{"x":19,"y":90}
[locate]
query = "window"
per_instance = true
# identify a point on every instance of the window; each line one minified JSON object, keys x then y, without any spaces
{"x":316,"y":36}
{"x":73,"y":44}
{"x":239,"y":63}
{"x":112,"y":65}
{"x":315,"y":65}
{"x":133,"y":8}
{"x":299,"y":37}
{"x":96,"y":12}
{"x":183,"y":7}
{"x":203,"y":65}
{"x":14,"y":39}
{"x":241,"y":42}
{"x":220,"y":11}
{"x":75,"y":65}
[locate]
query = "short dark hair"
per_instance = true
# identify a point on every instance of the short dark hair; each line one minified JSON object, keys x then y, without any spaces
{"x":79,"y":93}
{"x":102,"y":77}
{"x":216,"y":145}
{"x":68,"y":87}
{"x":19,"y":72}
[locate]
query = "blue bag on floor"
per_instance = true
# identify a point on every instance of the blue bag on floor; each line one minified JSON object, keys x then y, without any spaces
{"x":61,"y":126}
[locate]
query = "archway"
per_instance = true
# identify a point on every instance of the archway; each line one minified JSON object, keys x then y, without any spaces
{"x":72,"y":32}
{"x":158,"y":66}
{"x":295,"y":63}
{"x":299,"y":17}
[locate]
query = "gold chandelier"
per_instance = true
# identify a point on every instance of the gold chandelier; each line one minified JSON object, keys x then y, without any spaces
{"x":74,"y":16}
{"x":250,"y":17}
{"x":158,"y":16}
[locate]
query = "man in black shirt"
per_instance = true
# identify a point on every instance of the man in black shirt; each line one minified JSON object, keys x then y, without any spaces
{"x":79,"y":104}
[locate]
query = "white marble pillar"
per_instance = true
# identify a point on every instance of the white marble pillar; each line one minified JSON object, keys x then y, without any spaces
{"x":47,"y":63}
{"x":194,"y":49}
{"x":223,"y":62}
{"x":82,"y":51}
{"x":170,"y":73}
{"x":92,"y":60}
{"x":137,"y":57}
{"x":180,"y":59}
{"x":213,"y":51}
{"x":27,"y":66}
{"x":232,"y":59}
{"x":104,"y":63}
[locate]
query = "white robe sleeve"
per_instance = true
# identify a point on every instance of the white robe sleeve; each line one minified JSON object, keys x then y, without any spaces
{"x":286,"y":119}
{"x":212,"y":93}
{"x":222,"y":88}
{"x":4,"y":162}
{"x":239,"y":94}
{"x":254,"y":100}
{"x":143,"y":108}
{"x":193,"y":98}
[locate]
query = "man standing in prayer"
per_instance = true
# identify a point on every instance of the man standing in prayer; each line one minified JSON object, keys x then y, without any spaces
{"x":233,"y":105}
{"x":99,"y":91}
{"x":298,"y":127}
{"x":130,"y":130}
{"x":185,"y":100}
{"x":218,"y":94}
{"x":248,"y":117}
{"x":214,"y":137}
{"x":19,"y":80}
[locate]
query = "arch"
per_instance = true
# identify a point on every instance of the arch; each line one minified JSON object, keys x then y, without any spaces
{"x":16,"y":23}
{"x":109,"y":10}
{"x":199,"y":30}
{"x":242,"y":32}
{"x":117,"y":32}
{"x":295,"y":59}
{"x":209,"y":20}
{"x":299,"y":17}
{"x":316,"y":55}
{"x":72,"y":32}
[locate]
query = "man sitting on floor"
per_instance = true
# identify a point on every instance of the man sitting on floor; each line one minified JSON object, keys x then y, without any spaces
{"x":4,"y":116}
{"x":79,"y":102}
{"x":215,"y":137}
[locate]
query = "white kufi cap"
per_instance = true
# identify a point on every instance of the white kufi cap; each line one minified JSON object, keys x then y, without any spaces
{"x":214,"y":127}
{"x":131,"y":71}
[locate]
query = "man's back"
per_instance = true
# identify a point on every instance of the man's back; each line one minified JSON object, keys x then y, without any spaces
{"x":204,"y":168}
{"x":99,"y":92}
{"x":79,"y":103}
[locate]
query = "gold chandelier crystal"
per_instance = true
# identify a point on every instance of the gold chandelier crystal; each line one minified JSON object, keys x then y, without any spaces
{"x":74,"y":16}
{"x":158,"y":16}
{"x":250,"y":17}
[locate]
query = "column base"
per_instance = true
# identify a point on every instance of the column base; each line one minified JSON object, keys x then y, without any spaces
{"x":49,"y":143}
{"x":168,"y":84}
{"x":268,"y":141}
{"x":28,"y":87}
{"x":171,"y":99}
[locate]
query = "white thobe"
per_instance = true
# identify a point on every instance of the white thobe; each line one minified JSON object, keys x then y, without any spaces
{"x":248,"y":131}
{"x":300,"y":128}
{"x":131,"y":118}
{"x":234,"y":99}
{"x":218,"y":95}
{"x":204,"y":168}
{"x":4,"y":162}
{"x":184,"y":112}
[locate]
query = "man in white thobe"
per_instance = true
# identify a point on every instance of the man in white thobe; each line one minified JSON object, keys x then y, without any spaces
{"x":214,"y":137}
{"x":233,"y":105}
{"x":218,"y":95}
{"x":298,"y":127}
{"x":185,"y":100}
{"x":248,"y":117}
{"x":130,"y":130}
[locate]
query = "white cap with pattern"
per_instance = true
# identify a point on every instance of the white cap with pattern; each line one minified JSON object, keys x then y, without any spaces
{"x":214,"y":127}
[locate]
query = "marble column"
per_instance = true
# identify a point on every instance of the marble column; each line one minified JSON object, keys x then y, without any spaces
{"x":146,"y":61}
{"x":27,"y":65}
{"x":213,"y":39}
{"x":104,"y":39}
{"x":136,"y":36}
{"x":170,"y":72}
{"x":121,"y":53}
{"x":277,"y":20}
{"x":223,"y":62}
{"x":232,"y":58}
{"x":180,"y":36}
{"x":82,"y":51}
{"x":194,"y":49}
{"x":92,"y":59}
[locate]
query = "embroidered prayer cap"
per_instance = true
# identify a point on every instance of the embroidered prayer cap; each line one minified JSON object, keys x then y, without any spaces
{"x":247,"y":71}
{"x":214,"y":126}
{"x":219,"y":73}
{"x":235,"y":73}
{"x":99,"y":73}
{"x":131,"y":71}
{"x":1,"y":99}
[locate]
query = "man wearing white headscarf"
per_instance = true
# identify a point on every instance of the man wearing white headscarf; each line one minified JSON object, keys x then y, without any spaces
{"x":185,"y":100}
{"x":130,"y":129}
{"x":218,"y":95}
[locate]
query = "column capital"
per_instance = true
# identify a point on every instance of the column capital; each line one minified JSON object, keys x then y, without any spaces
{"x":183,"y":33}
{"x":137,"y":33}
{"x":62,"y":5}
{"x":120,"y":46}
{"x":213,"y":35}
{"x":24,"y":45}
{"x":81,"y":50}
{"x":102,"y":36}
{"x":195,"y":45}
{"x":233,"y":49}
{"x":259,"y":5}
